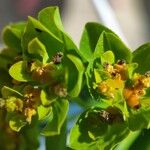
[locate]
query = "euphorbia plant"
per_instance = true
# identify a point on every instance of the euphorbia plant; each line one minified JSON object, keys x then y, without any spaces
{"x":42,"y":71}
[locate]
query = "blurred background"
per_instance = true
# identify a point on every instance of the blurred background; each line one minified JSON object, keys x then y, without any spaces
{"x":130,"y":19}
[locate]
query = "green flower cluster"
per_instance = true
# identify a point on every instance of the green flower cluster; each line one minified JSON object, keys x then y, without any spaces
{"x":40,"y":71}
{"x":119,"y":82}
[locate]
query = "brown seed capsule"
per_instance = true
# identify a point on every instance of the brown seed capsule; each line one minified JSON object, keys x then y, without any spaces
{"x":121,"y":62}
{"x":58,"y":58}
{"x":111,"y":115}
{"x":104,"y":116}
{"x":147,"y":74}
{"x":60,"y":90}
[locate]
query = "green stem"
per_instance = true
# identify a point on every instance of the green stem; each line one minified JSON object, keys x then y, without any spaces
{"x":57,"y":142}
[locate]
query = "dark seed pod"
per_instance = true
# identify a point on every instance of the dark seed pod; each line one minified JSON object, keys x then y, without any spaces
{"x":121,"y":62}
{"x":104,"y":116}
{"x":147,"y":74}
{"x":58,"y":58}
{"x":111,"y":115}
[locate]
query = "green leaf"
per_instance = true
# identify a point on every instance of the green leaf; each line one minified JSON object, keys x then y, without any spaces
{"x":99,"y":50}
{"x":142,"y":56}
{"x":131,"y":69}
{"x":97,"y":76}
{"x":12,"y":35}
{"x":142,"y":141}
{"x":37,"y":48}
{"x":50,"y":18}
{"x":18,"y":71}
{"x":43,"y":112}
{"x":53,"y":126}
{"x":80,"y":68}
{"x":115,"y":44}
{"x":54,"y":25}
{"x":35,"y":29}
{"x":46,"y":99}
{"x":89,"y":39}
{"x":139,"y":119}
{"x":30,"y":134}
{"x":7,"y":56}
{"x":89,"y":78}
{"x":16,"y":122}
{"x":91,"y":132}
{"x":108,"y":57}
{"x":7,"y":92}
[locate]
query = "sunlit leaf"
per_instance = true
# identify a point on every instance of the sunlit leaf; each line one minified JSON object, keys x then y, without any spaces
{"x":43,"y":112}
{"x":79,"y":66}
{"x":16,"y":122}
{"x":12,"y":35}
{"x":142,"y":56}
{"x":89,"y":39}
{"x":108,"y":57}
{"x":53,"y":126}
{"x":7,"y":92}
{"x":18,"y":72}
{"x":37,"y":48}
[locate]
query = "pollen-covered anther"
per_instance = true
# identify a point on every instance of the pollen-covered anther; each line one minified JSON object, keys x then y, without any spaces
{"x":29,"y":112}
{"x":141,"y":92}
{"x":103,"y":87}
{"x":121,"y":69}
{"x":132,"y":98}
{"x":146,"y":82}
{"x":14,"y":104}
{"x":142,"y":81}
{"x":105,"y":90}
